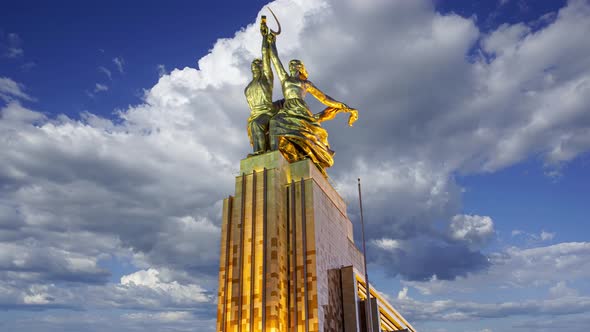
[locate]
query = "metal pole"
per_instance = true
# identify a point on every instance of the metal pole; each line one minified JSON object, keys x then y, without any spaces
{"x":368,"y":312}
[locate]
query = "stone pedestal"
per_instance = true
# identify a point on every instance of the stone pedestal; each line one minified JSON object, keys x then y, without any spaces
{"x":285,"y":238}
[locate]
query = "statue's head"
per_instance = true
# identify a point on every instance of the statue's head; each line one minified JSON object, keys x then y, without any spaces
{"x":297,"y":68}
{"x":256,"y":67}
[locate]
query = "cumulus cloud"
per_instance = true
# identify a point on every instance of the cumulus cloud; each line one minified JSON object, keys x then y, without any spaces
{"x":11,"y":90}
{"x":473,"y":229}
{"x":150,"y":280}
{"x":146,"y":186}
{"x":518,"y":268}
{"x":59,"y":321}
{"x":423,"y":258}
{"x":451,"y":310}
{"x":560,"y":308}
{"x":50,"y":264}
{"x":403,"y":294}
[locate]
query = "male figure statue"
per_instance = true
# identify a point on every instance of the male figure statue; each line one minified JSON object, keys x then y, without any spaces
{"x":259,"y":97}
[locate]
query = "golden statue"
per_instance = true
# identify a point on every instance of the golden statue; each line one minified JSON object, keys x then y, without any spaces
{"x":259,"y":96}
{"x":294,"y":130}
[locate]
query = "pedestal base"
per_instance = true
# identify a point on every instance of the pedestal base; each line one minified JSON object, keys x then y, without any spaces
{"x":285,"y":238}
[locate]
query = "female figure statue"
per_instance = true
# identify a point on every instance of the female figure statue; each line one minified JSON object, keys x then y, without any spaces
{"x":294,"y":130}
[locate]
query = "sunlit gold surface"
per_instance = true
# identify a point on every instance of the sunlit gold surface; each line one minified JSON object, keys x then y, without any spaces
{"x":288,"y":125}
{"x":294,"y":130}
{"x":259,"y":97}
{"x":311,"y":289}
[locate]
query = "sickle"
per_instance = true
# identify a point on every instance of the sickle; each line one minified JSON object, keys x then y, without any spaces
{"x":276,"y":33}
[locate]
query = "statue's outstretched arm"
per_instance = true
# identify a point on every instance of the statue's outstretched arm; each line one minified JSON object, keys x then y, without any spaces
{"x":324,"y":98}
{"x":274,"y":57}
{"x":334,"y":107}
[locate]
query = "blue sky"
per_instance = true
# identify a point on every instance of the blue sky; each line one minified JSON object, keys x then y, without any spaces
{"x":71,"y":40}
{"x":122,"y":126}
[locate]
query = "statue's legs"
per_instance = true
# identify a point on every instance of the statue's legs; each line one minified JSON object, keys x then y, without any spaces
{"x":273,"y":137}
{"x":259,"y":130}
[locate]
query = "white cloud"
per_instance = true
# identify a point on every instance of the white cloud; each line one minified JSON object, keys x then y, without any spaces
{"x":11,"y":90}
{"x":403,"y":294}
{"x":105,"y":71}
{"x":452,"y":310}
{"x":12,"y":45}
{"x":167,"y":316}
{"x":14,"y":115}
{"x":545,"y":236}
{"x":473,"y":229}
{"x":562,"y":290}
{"x":533,"y":238}
{"x":100,"y":87}
{"x":518,"y":268}
{"x":161,"y":70}
{"x":151,"y":279}
{"x":119,"y":63}
{"x":147,"y":185}
{"x":147,"y":278}
{"x":387,"y":244}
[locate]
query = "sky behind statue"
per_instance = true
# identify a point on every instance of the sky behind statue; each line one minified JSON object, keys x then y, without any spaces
{"x":122,"y":126}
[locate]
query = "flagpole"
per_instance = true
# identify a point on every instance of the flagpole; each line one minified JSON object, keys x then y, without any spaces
{"x":368,"y":312}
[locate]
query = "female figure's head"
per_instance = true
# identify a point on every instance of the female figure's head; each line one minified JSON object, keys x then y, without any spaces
{"x":297,"y":69}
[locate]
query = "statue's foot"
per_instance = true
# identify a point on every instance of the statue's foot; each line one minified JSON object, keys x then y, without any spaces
{"x":255,"y":153}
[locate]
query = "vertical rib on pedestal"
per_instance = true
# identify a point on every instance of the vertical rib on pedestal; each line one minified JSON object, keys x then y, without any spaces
{"x":252,"y":252}
{"x":264,"y":247}
{"x":241,"y":252}
{"x":293,"y":222}
{"x":288,"y":249}
{"x":253,"y":298}
{"x":304,"y":251}
{"x":224,"y":293}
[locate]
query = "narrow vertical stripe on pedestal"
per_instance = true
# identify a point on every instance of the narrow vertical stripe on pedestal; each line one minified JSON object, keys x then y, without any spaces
{"x":241,"y":251}
{"x":227,"y":252}
{"x":287,"y":249}
{"x":252,"y":246}
{"x":264,"y":248}
{"x":294,"y":249}
{"x":304,"y":251}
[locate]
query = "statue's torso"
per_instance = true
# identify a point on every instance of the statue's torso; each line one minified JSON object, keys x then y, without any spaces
{"x":258,"y":93}
{"x":294,"y":87}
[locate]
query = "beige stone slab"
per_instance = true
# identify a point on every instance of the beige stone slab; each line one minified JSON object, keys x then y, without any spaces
{"x":269,"y":160}
{"x":305,"y":169}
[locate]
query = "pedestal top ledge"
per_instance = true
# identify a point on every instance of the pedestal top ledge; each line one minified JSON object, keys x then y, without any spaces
{"x":304,"y":169}
{"x":269,"y":160}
